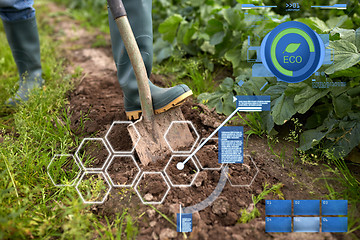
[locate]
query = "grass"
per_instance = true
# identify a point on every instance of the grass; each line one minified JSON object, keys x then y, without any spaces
{"x":253,"y":120}
{"x":350,"y":189}
{"x":190,"y":72}
{"x":90,"y":13}
{"x":247,"y":214}
{"x":31,"y":134}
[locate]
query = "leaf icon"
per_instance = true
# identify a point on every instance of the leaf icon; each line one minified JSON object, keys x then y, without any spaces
{"x":292,"y":47}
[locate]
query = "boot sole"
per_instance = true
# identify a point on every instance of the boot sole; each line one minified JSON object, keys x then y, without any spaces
{"x":135,"y":115}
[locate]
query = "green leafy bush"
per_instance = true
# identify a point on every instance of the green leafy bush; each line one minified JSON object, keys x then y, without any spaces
{"x":218,"y":29}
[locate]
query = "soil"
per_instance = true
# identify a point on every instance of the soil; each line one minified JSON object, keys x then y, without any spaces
{"x":122,"y":170}
{"x":98,"y":98}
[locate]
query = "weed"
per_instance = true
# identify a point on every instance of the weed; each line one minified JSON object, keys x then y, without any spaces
{"x":351,"y":189}
{"x":295,"y":132}
{"x":32,"y":133}
{"x":167,"y":219}
{"x":249,"y":214}
{"x":253,"y":120}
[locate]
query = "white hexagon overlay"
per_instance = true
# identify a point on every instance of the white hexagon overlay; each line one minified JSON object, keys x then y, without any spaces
{"x":77,"y":176}
{"x":106,"y":160}
{"x":122,"y":122}
{"x":181,"y":185}
{"x":106,"y":194}
{"x":198,"y":161}
{"x":194,"y":129}
{"x":136,"y":176}
{"x":252,"y":180}
{"x":138,"y":193}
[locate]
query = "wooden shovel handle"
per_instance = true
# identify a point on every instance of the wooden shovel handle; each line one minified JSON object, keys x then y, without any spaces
{"x":118,"y":11}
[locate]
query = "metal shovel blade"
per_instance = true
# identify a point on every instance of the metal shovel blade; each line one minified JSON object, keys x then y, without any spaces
{"x":152,"y":145}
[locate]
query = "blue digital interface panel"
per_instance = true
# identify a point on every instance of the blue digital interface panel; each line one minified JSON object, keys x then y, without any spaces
{"x":306,"y":224}
{"x":231,"y":149}
{"x":278,"y":207}
{"x":306,"y":207}
{"x":334,"y":224}
{"x":184,"y":222}
{"x":334,"y":207}
{"x":278,"y":224}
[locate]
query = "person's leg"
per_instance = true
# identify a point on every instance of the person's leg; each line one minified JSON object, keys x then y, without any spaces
{"x":20,"y":26}
{"x":139,"y":14}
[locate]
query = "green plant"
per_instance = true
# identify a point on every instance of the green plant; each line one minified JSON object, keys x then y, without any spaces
{"x":350,"y":188}
{"x":334,"y":116}
{"x":31,"y":134}
{"x":247,"y":215}
{"x":294,"y":133}
{"x":167,"y":219}
{"x":91,"y":13}
{"x":253,"y":120}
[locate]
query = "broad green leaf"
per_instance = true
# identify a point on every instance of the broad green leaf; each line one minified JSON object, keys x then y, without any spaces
{"x":233,"y":18}
{"x":315,"y":23}
{"x":227,"y":85}
{"x":346,"y":56}
{"x":342,"y":105}
{"x":304,"y":95}
{"x":214,"y":26}
{"x":169,"y":27}
{"x":276,"y":90}
{"x":292,"y":47}
{"x":341,"y":21}
{"x":345,"y":34}
{"x":267,"y":121}
{"x":162,"y":50}
{"x":217,"y":38}
{"x":312,"y":137}
{"x":186,"y":32}
{"x":197,"y":3}
{"x":348,"y":137}
{"x":228,"y":104}
{"x":234,"y":56}
{"x":283,"y":109}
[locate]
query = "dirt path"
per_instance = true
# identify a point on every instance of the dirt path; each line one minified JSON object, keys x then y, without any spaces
{"x":100,"y":96}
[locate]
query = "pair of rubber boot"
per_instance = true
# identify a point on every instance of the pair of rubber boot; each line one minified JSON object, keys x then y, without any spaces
{"x":24,"y":42}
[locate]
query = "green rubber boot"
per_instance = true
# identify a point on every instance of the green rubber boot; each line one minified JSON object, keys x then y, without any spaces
{"x":23,"y":39}
{"x":139,"y":14}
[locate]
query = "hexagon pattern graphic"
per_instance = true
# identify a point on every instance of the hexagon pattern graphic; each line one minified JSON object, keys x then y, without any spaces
{"x":184,"y":177}
{"x":93,"y":187}
{"x":119,"y":138}
{"x":93,"y":154}
{"x":242,"y":174}
{"x":152,"y":188}
{"x":172,"y":134}
{"x":122,"y":170}
{"x":63,"y":170}
{"x":207,"y":156}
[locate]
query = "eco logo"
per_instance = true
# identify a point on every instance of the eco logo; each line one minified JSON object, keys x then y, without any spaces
{"x":292,"y":52}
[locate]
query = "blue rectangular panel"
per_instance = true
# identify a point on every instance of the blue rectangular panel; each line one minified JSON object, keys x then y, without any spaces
{"x":334,"y":224}
{"x":184,"y":222}
{"x":231,"y":144}
{"x":306,"y":224}
{"x":334,"y":207}
{"x":306,"y":207}
{"x":278,"y":224}
{"x":278,"y":207}
{"x":253,"y":103}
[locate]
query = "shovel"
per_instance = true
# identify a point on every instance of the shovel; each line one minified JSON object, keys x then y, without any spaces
{"x":152,"y":145}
